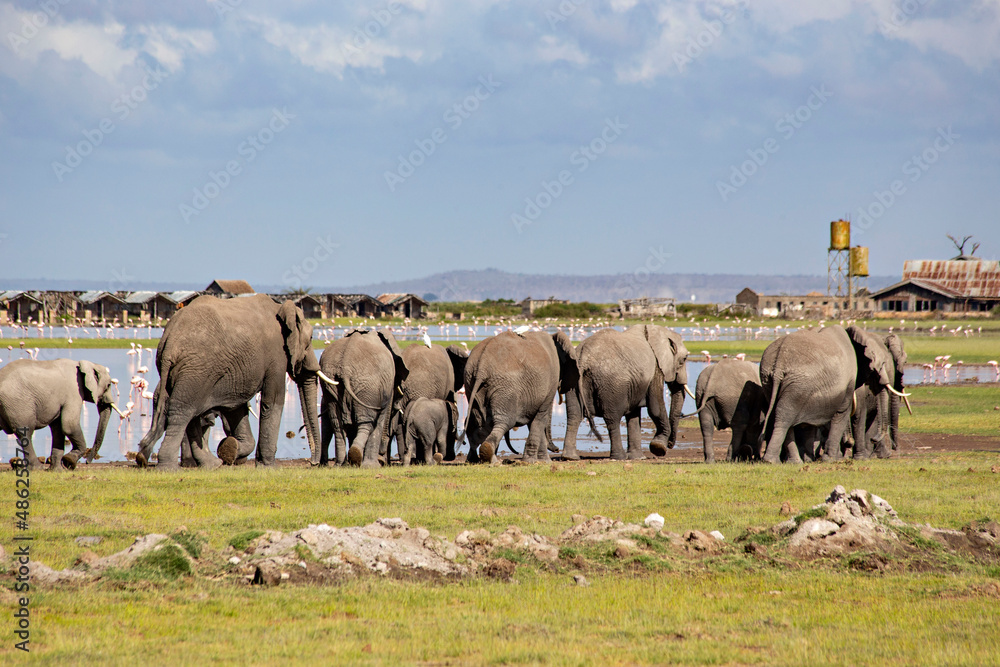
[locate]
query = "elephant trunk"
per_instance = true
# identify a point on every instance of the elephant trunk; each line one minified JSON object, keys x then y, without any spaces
{"x":894,"y":420}
{"x":307,"y":396}
{"x":676,"y":408}
{"x":104,"y":410}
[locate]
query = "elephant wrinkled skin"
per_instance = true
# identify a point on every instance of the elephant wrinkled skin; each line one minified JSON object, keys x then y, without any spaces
{"x":36,"y":394}
{"x":216,"y":354}
{"x":728,"y":395}
{"x":429,"y":426}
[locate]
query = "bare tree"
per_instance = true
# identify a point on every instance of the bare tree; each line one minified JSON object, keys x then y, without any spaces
{"x":961,"y":245}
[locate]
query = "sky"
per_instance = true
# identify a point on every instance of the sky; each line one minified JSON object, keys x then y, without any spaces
{"x":310,"y":143}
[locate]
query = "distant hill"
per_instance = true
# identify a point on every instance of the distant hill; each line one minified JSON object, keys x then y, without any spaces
{"x":496,"y":284}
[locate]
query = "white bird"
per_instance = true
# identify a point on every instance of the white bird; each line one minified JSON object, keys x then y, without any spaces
{"x":427,"y":340}
{"x":524,"y":328}
{"x":708,"y":357}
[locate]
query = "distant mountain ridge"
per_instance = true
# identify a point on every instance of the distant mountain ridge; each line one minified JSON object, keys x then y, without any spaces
{"x":496,"y":284}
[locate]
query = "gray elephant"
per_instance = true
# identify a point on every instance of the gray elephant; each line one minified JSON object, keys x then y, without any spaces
{"x":216,"y":354}
{"x":369,"y":370}
{"x":728,"y":395}
{"x":429,"y":426}
{"x":36,"y":394}
{"x":434,"y":372}
{"x":875,"y":423}
{"x":234,"y":449}
{"x":511,"y":380}
{"x":810,"y":378}
{"x":622,"y":372}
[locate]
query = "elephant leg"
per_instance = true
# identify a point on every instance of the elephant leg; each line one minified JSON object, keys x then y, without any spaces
{"x":236,"y":423}
{"x":326,"y":432}
{"x":25,"y":437}
{"x":537,"y":442}
{"x":172,"y":438}
{"x":633,"y":432}
{"x":489,"y":447}
{"x":72,"y":430}
{"x":197,"y":434}
{"x":58,"y":446}
{"x":779,"y":436}
{"x":271,"y":407}
{"x":840,"y":422}
{"x":187,"y":455}
{"x":805,"y":436}
{"x":550,"y":446}
{"x":706,"y":418}
{"x":574,"y":415}
{"x":614,"y":426}
{"x":790,"y":448}
{"x":665,"y":436}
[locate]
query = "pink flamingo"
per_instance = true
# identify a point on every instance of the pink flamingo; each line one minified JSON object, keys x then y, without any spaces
{"x":996,"y":369}
{"x":708,"y":357}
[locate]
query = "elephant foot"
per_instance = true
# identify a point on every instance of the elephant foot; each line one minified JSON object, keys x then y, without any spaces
{"x":635,"y":455}
{"x":553,"y":448}
{"x":617,"y":455}
{"x":189,"y":463}
{"x":163,"y":466}
{"x":657,"y":448}
{"x":228,"y":449}
{"x":355,"y":455}
{"x":486,"y":452}
{"x":570,"y":455}
{"x":771,"y":459}
{"x":438,"y":457}
{"x":211,"y":463}
{"x":369,"y":464}
{"x":709,"y":459}
{"x":70,"y":459}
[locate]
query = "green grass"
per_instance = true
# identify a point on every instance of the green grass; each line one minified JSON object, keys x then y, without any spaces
{"x":655,"y":606}
{"x":963,"y":410}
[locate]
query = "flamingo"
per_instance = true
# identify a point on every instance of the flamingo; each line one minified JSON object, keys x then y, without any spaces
{"x":996,"y":369}
{"x":708,"y":356}
{"x":741,"y":356}
{"x":928,"y":372}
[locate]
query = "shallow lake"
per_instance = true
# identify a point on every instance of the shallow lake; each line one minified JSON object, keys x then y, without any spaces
{"x":124,"y":435}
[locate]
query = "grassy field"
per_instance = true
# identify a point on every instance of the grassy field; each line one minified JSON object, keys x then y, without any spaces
{"x":964,"y":410}
{"x":659,"y":606}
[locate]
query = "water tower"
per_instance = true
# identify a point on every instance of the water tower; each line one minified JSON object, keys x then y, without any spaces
{"x":847,"y":267}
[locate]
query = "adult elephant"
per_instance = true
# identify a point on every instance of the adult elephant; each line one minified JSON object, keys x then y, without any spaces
{"x":728,"y":395}
{"x":36,"y":394}
{"x":622,"y":372}
{"x":810,"y":378}
{"x":434,"y":372}
{"x":511,"y":380}
{"x":369,"y":370}
{"x":875,"y":423}
{"x":216,"y":354}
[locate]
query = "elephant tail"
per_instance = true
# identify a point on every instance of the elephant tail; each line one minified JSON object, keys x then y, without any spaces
{"x":775,"y":383}
{"x":506,"y":437}
{"x":586,"y":403}
{"x":471,"y":397}
{"x":704,"y":402}
{"x":354,"y":397}
{"x":159,"y":422}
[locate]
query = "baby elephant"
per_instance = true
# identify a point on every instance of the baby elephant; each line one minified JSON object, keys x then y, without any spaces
{"x":429,"y":430}
{"x":36,"y":394}
{"x":729,"y":395}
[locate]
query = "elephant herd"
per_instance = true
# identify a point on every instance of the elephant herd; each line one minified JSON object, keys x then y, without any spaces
{"x":838,"y":385}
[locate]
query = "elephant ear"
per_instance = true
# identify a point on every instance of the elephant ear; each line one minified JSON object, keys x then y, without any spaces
{"x":297,"y":332}
{"x":665,"y":344}
{"x":95,"y":379}
{"x":458,"y":357}
{"x":872,"y":355}
{"x":569,"y":369}
{"x":397,"y":355}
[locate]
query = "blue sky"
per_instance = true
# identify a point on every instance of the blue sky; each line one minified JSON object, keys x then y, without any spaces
{"x":370,"y":141}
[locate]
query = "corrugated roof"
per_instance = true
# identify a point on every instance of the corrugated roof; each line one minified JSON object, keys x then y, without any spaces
{"x":140,"y":297}
{"x":967,"y":278}
{"x":394,"y":298}
{"x":180,"y":295}
{"x":924,"y":284}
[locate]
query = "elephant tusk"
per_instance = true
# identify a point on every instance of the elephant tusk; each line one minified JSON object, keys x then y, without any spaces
{"x":854,"y":403}
{"x":118,"y":410}
{"x":688,"y":390}
{"x":330,"y":381}
{"x":901,"y":395}
{"x":907,"y":402}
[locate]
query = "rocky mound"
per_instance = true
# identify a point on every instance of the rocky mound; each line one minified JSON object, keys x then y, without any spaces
{"x":846,"y":523}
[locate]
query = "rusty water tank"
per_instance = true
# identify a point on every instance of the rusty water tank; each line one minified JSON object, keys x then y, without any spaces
{"x":840,"y":235}
{"x":859,"y":261}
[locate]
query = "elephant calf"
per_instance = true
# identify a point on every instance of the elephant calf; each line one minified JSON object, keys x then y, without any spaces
{"x":729,"y":395}
{"x":429,"y":427}
{"x":36,"y":394}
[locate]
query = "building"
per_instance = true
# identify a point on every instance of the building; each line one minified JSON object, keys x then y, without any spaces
{"x":529,"y":305}
{"x":360,"y":305}
{"x":156,"y":306}
{"x":100,"y":306}
{"x":814,"y":305}
{"x":20,"y":306}
{"x":228,"y":288}
{"x":402,"y":305}
{"x":965,"y":285}
{"x":647,"y":307}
